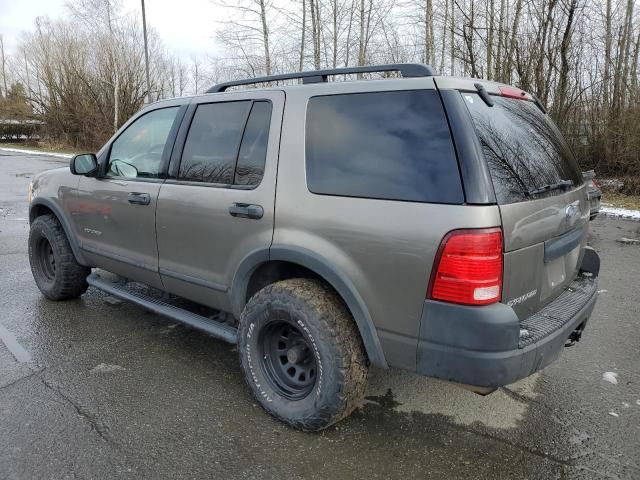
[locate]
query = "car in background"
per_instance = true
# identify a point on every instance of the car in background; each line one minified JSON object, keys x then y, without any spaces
{"x":593,"y":191}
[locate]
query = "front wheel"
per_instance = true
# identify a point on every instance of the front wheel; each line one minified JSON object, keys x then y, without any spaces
{"x":302,"y":354}
{"x":54,"y":267}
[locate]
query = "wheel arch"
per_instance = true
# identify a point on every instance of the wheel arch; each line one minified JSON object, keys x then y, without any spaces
{"x":45,"y":206}
{"x":290,"y":262}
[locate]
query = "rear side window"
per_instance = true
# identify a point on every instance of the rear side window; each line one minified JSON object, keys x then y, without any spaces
{"x":388,"y":145}
{"x":525,"y":151}
{"x":253,"y":150}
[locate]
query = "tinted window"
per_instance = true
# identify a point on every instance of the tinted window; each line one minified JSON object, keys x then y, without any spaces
{"x":391,"y":145}
{"x":523,"y":148}
{"x":137,"y":152}
{"x":211,"y":148}
{"x":253,"y":150}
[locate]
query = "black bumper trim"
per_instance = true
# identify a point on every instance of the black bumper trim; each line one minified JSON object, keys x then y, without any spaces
{"x":474,"y":366}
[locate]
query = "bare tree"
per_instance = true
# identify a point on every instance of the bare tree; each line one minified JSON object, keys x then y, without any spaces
{"x":4,"y":74}
{"x":247,"y":34}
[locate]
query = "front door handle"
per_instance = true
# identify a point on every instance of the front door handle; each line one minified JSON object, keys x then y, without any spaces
{"x":245,"y":210}
{"x":139,"y":198}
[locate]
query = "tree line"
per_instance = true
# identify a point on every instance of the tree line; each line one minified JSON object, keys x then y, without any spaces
{"x":84,"y":75}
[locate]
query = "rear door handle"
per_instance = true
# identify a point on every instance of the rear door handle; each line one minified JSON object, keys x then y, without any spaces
{"x":245,"y":210}
{"x":139,"y":198}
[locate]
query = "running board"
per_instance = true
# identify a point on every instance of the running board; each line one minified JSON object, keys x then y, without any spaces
{"x":217,"y":329}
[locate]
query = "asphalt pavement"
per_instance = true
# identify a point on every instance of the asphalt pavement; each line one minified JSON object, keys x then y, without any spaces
{"x":98,"y":388}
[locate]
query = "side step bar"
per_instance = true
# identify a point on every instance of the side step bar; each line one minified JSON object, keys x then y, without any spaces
{"x":217,"y":329}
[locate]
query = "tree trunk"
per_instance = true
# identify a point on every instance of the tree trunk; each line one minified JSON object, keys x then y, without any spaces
{"x":490,"y":73}
{"x":627,"y":50}
{"x":513,"y":42}
{"x":452,"y":22}
{"x":563,"y":80}
{"x":4,"y":75}
{"x":304,"y":28}
{"x":501,"y":40}
{"x":429,"y":52}
{"x":607,"y":55}
{"x":265,"y":38}
{"x":444,"y":34}
{"x":335,"y":34}
{"x":361,"y":45}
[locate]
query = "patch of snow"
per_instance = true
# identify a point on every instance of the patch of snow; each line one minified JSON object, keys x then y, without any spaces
{"x":620,"y":212}
{"x":602,"y":291}
{"x":629,"y":241}
{"x":611,"y":377}
{"x":113,"y":301}
{"x":614,"y":183}
{"x":614,"y":414}
{"x":37,"y":152}
{"x":106,"y":368}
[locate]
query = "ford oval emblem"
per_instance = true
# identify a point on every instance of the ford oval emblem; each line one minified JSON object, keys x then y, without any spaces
{"x":571,"y":213}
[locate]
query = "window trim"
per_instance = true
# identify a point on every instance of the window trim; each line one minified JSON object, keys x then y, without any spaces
{"x":173,"y":176}
{"x":453,"y":144}
{"x":166,"y":151}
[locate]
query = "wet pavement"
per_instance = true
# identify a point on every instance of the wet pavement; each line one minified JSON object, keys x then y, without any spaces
{"x":109,"y":390}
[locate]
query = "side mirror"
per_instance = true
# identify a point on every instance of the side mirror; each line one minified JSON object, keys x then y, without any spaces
{"x":84,"y":164}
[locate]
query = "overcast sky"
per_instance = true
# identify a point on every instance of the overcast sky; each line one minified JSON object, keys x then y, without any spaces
{"x":187,"y":27}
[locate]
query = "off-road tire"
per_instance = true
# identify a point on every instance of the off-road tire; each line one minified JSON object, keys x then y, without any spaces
{"x":66,"y":278}
{"x":323,"y":319}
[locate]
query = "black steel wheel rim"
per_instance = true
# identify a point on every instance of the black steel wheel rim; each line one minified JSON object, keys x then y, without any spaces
{"x":46,"y":259}
{"x":288,"y":360}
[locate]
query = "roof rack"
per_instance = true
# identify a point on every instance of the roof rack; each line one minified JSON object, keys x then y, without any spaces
{"x":320,"y":76}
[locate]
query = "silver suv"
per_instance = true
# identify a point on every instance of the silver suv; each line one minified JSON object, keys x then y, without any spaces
{"x":428,"y":223}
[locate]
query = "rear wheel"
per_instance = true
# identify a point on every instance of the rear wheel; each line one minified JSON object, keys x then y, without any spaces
{"x":55,"y":270}
{"x":301,"y":354}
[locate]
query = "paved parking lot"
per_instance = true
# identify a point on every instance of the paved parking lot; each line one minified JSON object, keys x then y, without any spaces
{"x":97,"y":388}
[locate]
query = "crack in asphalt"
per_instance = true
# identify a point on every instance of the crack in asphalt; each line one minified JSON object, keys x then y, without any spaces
{"x":17,"y":380}
{"x":96,"y":425}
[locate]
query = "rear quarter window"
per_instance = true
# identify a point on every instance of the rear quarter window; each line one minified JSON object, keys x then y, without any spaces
{"x":392,"y":145}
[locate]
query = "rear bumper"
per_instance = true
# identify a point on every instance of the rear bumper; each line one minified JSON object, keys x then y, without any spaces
{"x":482,"y":346}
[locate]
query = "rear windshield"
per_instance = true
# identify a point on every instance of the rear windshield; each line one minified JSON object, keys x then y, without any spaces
{"x":388,"y":145}
{"x":525,"y":151}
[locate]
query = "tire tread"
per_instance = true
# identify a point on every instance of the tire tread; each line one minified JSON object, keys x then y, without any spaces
{"x":73,"y":280}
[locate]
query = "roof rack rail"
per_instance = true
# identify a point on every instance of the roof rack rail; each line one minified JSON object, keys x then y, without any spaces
{"x":320,"y":76}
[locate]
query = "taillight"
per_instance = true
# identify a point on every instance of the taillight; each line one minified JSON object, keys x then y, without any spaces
{"x":513,"y":92}
{"x":468,"y":267}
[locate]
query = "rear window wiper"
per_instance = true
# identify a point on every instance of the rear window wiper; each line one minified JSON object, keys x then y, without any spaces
{"x":561,"y":185}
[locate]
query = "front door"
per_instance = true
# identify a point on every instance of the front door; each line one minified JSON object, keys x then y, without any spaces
{"x":219,"y":206}
{"x":115,"y":212}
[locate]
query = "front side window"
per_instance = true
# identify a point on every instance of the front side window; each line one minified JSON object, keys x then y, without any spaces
{"x":137,"y":152}
{"x":389,"y":145}
{"x":211,"y":147}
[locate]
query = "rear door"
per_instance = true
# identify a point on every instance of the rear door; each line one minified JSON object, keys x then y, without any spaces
{"x":541,"y":197}
{"x":217,"y":207}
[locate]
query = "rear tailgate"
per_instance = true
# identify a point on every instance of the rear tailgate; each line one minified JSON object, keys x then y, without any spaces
{"x":544,"y":240}
{"x":541,"y":196}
